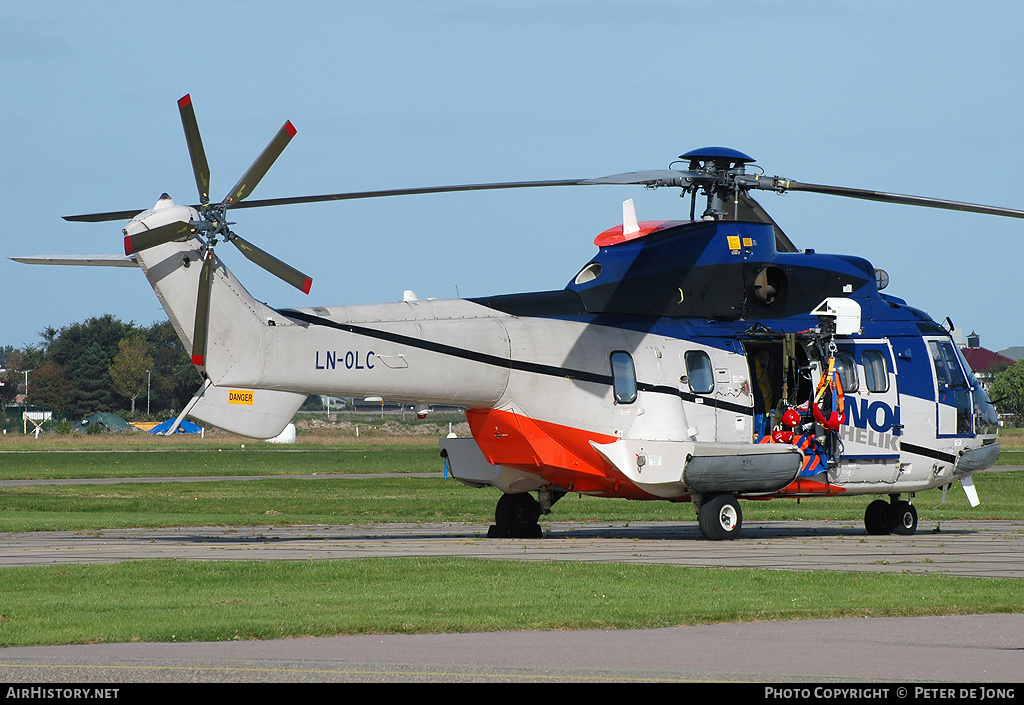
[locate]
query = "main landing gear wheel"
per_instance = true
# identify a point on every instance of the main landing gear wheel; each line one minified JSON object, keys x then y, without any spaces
{"x":878,"y":520}
{"x":897,"y":517}
{"x":516,"y":517}
{"x":904,"y":518}
{"x":720,"y":518}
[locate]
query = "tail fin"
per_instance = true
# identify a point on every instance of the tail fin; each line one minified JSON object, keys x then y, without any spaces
{"x":235,"y":321}
{"x":237,"y":328}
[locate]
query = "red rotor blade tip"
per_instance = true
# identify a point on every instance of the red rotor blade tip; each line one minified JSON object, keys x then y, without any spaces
{"x":290,"y":127}
{"x":307,"y":285}
{"x":184,"y":100}
{"x":198,"y":360}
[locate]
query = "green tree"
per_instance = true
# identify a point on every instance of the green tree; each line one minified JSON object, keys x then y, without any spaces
{"x":131,"y":367}
{"x":17,"y":362}
{"x":8,"y":386}
{"x":175,"y":378}
{"x":84,"y":352}
{"x":1007,"y":390}
{"x":49,"y":387}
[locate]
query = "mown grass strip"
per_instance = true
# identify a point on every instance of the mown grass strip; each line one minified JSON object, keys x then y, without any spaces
{"x":207,"y":601}
{"x":410,"y":499}
{"x":204,"y":462}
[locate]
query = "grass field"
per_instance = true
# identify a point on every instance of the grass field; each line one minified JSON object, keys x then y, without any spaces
{"x":177,"y":600}
{"x":190,"y":601}
{"x":336,"y":496}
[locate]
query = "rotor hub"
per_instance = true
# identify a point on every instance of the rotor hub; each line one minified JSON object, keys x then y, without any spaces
{"x":716,"y":159}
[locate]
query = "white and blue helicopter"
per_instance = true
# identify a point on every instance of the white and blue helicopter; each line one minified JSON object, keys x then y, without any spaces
{"x":704,"y":360}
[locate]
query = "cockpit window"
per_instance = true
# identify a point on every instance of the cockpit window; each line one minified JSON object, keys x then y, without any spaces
{"x":947,"y":371}
{"x":623,"y":378}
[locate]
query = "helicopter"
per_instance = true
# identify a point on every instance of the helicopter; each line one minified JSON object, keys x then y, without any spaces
{"x":704,"y":360}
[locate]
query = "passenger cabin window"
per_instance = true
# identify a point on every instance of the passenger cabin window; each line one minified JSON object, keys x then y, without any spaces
{"x":698,"y":372}
{"x":623,"y":378}
{"x":876,"y":372}
{"x":847,"y":370}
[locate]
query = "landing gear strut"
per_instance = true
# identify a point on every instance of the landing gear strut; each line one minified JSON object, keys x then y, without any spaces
{"x":720,"y":517}
{"x":896,"y":516}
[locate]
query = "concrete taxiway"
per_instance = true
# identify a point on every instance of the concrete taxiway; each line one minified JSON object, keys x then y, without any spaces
{"x":962,"y":649}
{"x":969,"y":548}
{"x":894,"y":652}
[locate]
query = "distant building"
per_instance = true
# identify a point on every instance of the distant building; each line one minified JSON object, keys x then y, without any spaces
{"x":985,"y":363}
{"x":1014,"y":353}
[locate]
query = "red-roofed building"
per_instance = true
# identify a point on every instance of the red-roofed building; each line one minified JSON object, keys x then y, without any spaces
{"x":985,"y":363}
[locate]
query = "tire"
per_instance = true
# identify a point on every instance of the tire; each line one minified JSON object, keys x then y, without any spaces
{"x":878,"y":518}
{"x":515,"y":517}
{"x":720,"y":518}
{"x":904,"y":518}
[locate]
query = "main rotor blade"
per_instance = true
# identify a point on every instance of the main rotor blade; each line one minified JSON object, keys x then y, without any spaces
{"x":102,"y":217}
{"x":200,"y":167}
{"x":272,"y":264}
{"x":262,"y":164}
{"x":664,"y":177}
{"x":199,"y":332}
{"x":158,"y":236}
{"x":787,"y":185}
{"x":652,"y":177}
{"x":657,"y":177}
{"x":352,"y":195}
{"x":260,"y":203}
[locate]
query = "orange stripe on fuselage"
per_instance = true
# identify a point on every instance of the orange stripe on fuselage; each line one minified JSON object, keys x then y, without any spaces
{"x":810,"y":487}
{"x":560,"y":454}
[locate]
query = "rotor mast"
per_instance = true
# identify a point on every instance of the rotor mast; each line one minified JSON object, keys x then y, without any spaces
{"x":720,"y":170}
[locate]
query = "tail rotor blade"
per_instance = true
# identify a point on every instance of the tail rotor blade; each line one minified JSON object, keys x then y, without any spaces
{"x":259,"y":168}
{"x":200,"y":167}
{"x":273,"y":265}
{"x":199,"y":333}
{"x":158,"y":236}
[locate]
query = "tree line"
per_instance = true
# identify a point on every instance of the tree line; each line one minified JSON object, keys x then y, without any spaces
{"x":101,"y":364}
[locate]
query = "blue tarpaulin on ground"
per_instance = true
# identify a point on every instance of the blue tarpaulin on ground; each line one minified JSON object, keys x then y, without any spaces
{"x":185,"y":427}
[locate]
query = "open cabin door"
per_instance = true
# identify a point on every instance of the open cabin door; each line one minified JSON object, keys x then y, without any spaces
{"x":778,"y":378}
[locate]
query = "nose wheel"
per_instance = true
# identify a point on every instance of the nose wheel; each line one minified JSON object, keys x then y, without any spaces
{"x":516,"y":517}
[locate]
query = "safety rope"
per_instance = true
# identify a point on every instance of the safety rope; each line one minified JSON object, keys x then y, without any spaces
{"x":832,"y":413}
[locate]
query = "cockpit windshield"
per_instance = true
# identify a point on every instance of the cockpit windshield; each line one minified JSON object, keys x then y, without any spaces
{"x":986,"y":418}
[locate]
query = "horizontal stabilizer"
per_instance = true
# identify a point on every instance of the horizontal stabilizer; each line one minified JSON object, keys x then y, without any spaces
{"x":81,"y":260}
{"x":256,"y":413}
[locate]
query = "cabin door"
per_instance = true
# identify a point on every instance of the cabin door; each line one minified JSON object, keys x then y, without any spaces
{"x":953,"y":407}
{"x":872,"y":427}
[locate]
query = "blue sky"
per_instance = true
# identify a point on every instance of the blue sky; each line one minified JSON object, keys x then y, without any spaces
{"x":913,"y":97}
